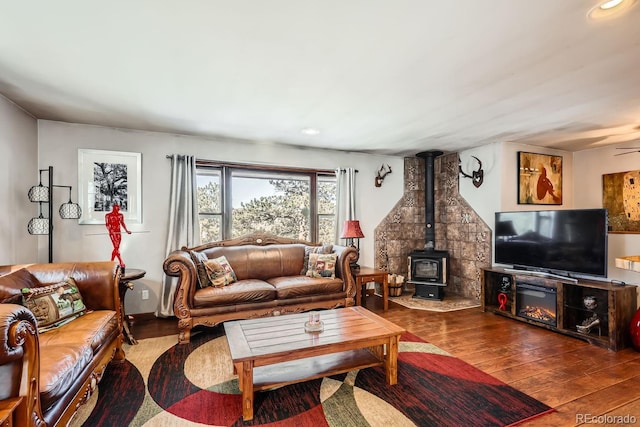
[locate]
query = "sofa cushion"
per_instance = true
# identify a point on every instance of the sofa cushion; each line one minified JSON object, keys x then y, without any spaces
{"x":95,"y":328}
{"x":325,"y":249}
{"x":240,"y":292}
{"x":66,"y":351}
{"x":60,"y":367}
{"x":54,"y":305}
{"x":262,"y":262}
{"x":322,"y":265}
{"x":302,"y":286}
{"x":11,"y":285}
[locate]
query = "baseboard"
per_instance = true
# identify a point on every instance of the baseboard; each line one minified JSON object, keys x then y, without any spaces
{"x":145,"y":317}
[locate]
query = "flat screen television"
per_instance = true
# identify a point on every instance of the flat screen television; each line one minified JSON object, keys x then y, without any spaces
{"x":565,"y":242}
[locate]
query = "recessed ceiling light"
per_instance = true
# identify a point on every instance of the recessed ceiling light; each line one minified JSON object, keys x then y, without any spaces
{"x":609,"y":4}
{"x":608,"y":8}
{"x":310,"y":131}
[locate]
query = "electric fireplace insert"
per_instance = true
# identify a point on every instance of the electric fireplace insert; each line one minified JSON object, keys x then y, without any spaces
{"x":537,"y":303}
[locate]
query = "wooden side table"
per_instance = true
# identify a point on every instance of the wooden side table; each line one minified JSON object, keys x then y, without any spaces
{"x":7,"y":408}
{"x":126,"y":283}
{"x":365,"y":275}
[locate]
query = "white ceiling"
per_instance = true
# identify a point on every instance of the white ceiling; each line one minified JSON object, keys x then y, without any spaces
{"x":386,"y":76}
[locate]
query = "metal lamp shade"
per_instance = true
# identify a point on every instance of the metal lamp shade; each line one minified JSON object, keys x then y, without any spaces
{"x":70,"y":210}
{"x":39,"y":193}
{"x":38,"y":225}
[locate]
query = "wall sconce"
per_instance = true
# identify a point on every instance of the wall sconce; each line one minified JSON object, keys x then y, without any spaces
{"x":40,"y":194}
{"x":351,"y":230}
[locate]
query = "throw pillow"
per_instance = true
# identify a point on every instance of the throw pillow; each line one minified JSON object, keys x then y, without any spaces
{"x":199,"y":259}
{"x":322,"y":265}
{"x":11,"y":285}
{"x":54,"y":305}
{"x":219,"y":272}
{"x":324,"y":249}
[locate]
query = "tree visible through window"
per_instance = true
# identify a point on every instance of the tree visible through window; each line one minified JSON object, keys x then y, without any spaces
{"x":238,"y":201}
{"x":326,"y":198}
{"x":210,"y":205}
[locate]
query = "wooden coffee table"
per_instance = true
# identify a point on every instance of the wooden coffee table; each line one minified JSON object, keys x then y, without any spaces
{"x":276,"y":351}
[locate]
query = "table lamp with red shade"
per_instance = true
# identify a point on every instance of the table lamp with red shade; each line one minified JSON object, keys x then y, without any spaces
{"x":351,"y":230}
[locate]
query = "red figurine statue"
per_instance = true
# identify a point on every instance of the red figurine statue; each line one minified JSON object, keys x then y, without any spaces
{"x":114,"y":220}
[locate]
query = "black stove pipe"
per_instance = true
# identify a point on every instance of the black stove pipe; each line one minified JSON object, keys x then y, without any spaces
{"x":429,"y":198}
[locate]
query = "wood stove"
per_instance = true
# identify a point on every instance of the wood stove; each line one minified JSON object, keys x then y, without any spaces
{"x":429,"y":268}
{"x":428,"y":272}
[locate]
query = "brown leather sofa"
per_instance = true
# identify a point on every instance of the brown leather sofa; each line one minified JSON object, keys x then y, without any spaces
{"x":56,"y":371}
{"x":269,"y":281}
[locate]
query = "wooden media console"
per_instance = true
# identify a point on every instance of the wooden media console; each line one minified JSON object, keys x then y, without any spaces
{"x":598,"y":312}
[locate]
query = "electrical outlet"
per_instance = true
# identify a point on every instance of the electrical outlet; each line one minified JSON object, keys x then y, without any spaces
{"x":145,"y":294}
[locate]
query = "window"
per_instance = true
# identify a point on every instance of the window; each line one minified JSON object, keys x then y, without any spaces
{"x":210,"y":204}
{"x":235,"y":200}
{"x":326,"y":198}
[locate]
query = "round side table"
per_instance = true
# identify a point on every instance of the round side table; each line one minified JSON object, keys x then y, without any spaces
{"x":126,"y":282}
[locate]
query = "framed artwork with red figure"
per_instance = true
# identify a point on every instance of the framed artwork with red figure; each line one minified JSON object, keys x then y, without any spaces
{"x":539,"y":179}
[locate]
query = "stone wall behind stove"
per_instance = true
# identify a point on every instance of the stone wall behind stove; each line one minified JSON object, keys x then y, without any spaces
{"x":459,"y":229}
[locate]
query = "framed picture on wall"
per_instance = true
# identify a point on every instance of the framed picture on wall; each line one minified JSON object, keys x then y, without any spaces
{"x":539,"y":179}
{"x":106,"y":178}
{"x":621,"y":198}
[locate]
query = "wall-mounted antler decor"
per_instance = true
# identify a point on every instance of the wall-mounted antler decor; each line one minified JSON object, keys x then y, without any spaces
{"x":382,"y":172}
{"x":477,"y":176}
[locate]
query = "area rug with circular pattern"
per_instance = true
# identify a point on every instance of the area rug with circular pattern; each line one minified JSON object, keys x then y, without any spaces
{"x":165,"y":384}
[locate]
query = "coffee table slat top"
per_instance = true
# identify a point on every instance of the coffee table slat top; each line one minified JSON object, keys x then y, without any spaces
{"x":276,"y":336}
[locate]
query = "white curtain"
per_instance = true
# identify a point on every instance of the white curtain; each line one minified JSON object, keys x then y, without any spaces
{"x":345,"y":199}
{"x":184,"y":228}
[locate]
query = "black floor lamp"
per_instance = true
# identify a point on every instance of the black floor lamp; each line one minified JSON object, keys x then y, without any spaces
{"x":40,"y":194}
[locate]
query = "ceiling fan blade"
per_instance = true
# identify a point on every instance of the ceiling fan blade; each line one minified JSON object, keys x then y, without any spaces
{"x":628,"y":152}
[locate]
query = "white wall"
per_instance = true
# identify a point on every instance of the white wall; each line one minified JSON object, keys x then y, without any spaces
{"x":18,"y":172}
{"x":499,"y":191}
{"x":488,"y":197}
{"x":590,"y":166}
{"x":58,"y":147}
{"x":59,"y":142}
{"x":582,"y":188}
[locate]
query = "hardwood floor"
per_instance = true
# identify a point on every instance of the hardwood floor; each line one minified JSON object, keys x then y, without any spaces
{"x":576,"y":378}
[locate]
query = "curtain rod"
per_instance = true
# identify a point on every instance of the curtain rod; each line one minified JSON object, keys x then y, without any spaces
{"x":171,"y":155}
{"x":257,"y":166}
